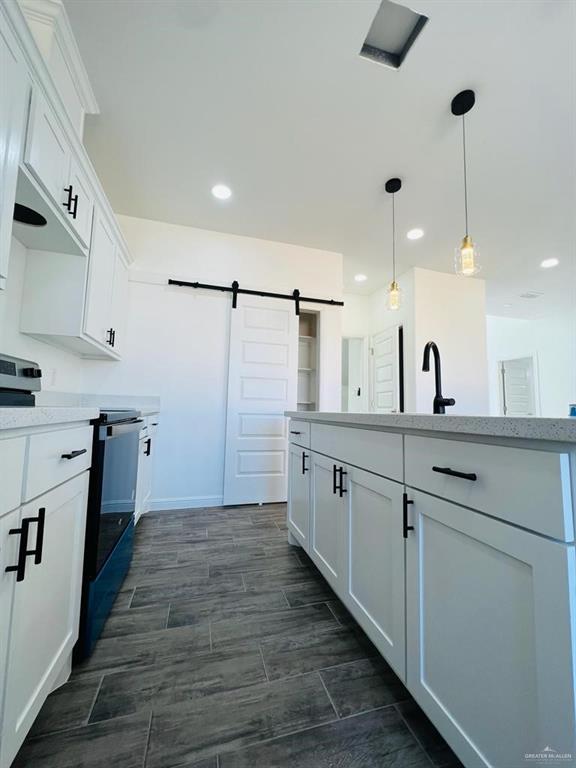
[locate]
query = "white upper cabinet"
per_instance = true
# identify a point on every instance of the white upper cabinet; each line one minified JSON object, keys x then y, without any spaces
{"x":119,"y":308}
{"x":50,"y":158}
{"x":77,"y":303}
{"x":47,"y":152}
{"x":97,"y":319}
{"x":14,"y":88}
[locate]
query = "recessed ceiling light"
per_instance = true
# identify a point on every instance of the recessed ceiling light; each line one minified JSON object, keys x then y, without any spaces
{"x":415,"y":234}
{"x":548,"y":263}
{"x":360,"y":278}
{"x":221,"y":192}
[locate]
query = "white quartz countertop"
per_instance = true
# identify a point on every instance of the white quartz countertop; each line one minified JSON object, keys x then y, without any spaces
{"x":39,"y":416}
{"x":558,"y":430}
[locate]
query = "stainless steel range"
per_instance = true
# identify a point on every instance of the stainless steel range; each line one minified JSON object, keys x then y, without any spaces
{"x":19,"y":379}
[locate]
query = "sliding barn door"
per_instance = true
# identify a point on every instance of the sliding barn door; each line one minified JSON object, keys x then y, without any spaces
{"x":262,"y":380}
{"x":385,"y":394}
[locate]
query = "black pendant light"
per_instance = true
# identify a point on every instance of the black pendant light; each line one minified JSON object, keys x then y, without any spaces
{"x":392,"y":186}
{"x":466,"y":257}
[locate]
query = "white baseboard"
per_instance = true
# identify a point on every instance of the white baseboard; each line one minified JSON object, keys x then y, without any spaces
{"x":187,"y":502}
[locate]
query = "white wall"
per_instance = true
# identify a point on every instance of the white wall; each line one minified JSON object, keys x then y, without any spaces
{"x":61,"y":370}
{"x":551,"y":342}
{"x":177,"y":341}
{"x":440,"y":307}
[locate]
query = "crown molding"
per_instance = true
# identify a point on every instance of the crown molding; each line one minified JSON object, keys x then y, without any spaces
{"x":52,"y":14}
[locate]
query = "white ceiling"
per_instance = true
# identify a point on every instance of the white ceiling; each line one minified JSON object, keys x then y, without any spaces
{"x":272,"y":98}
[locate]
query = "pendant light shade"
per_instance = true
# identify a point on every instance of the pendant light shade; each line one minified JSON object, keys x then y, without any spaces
{"x":466,"y":257}
{"x":394,"y":293}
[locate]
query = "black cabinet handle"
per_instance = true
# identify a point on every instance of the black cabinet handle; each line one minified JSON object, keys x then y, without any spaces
{"x":334,"y":483}
{"x":74,"y":210}
{"x":113,"y":337}
{"x":341,"y":489}
{"x":405,"y":527}
{"x":109,"y":333}
{"x":294,"y":432}
{"x":39,"y":536}
{"x":68,"y":203}
{"x":454,"y":473}
{"x":73,"y":454}
{"x":304,"y":467}
{"x":20,"y":568}
{"x":148,"y":447}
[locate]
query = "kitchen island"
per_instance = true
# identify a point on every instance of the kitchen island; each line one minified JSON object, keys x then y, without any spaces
{"x":451,"y":541}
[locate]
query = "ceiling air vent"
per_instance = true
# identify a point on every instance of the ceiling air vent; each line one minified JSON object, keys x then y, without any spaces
{"x":392,"y":34}
{"x":531,"y":295}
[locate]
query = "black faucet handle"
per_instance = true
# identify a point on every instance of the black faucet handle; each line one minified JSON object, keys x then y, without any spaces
{"x":446,"y":401}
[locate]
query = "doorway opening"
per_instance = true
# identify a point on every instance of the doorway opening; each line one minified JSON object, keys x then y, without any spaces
{"x":518,"y":387}
{"x":354,"y":390}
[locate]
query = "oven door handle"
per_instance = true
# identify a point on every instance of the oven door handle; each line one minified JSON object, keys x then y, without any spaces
{"x":114,"y":430}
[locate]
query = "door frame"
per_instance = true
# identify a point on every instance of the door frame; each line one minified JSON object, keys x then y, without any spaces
{"x":366,"y":370}
{"x":400,"y":379}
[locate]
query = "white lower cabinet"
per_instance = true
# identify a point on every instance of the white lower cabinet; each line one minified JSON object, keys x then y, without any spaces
{"x":299,"y":495}
{"x":491,"y":645}
{"x":45,"y":600}
{"x":327,"y":529}
{"x":475,"y":614}
{"x":374,"y":591}
{"x":147,"y":450}
{"x":8,"y":558}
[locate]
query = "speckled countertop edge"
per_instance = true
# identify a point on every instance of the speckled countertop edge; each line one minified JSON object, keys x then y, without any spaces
{"x":39,"y":416}
{"x":557,"y":430}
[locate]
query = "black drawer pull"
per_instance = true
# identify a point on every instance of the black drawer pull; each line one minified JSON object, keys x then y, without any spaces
{"x":304,"y":467}
{"x":294,"y":432}
{"x":334,"y":483}
{"x":148,"y":447}
{"x":74,"y":454}
{"x":454,"y":473}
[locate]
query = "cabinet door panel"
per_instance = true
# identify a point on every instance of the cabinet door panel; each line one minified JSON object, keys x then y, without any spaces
{"x":13,"y":94}
{"x":47,"y":150}
{"x":84,"y":207}
{"x":299,"y":495}
{"x":327,"y":530}
{"x":46,"y":609}
{"x":97,"y":318}
{"x":8,"y":557}
{"x":375,"y":590}
{"x":119,"y":303}
{"x":490,"y":634}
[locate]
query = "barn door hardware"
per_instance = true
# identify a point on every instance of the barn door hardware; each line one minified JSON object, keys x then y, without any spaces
{"x":235,"y":289}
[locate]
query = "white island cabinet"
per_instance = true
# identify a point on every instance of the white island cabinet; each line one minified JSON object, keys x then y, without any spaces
{"x":451,"y":541}
{"x":45,"y":455}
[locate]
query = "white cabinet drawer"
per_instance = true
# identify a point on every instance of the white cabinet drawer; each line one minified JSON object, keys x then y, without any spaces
{"x":529,"y":488}
{"x":12,"y":452}
{"x":55,"y":457}
{"x":299,"y":432}
{"x":375,"y":451}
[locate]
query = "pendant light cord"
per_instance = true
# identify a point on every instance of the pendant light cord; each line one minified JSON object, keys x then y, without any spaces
{"x":393,"y":242}
{"x":465,"y":175}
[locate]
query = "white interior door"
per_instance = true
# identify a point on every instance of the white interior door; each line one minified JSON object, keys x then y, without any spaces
{"x":262,"y":382}
{"x":518,"y":397}
{"x":385,"y":389}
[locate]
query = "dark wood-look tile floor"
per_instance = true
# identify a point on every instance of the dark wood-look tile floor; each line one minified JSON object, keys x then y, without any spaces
{"x":226,"y":649}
